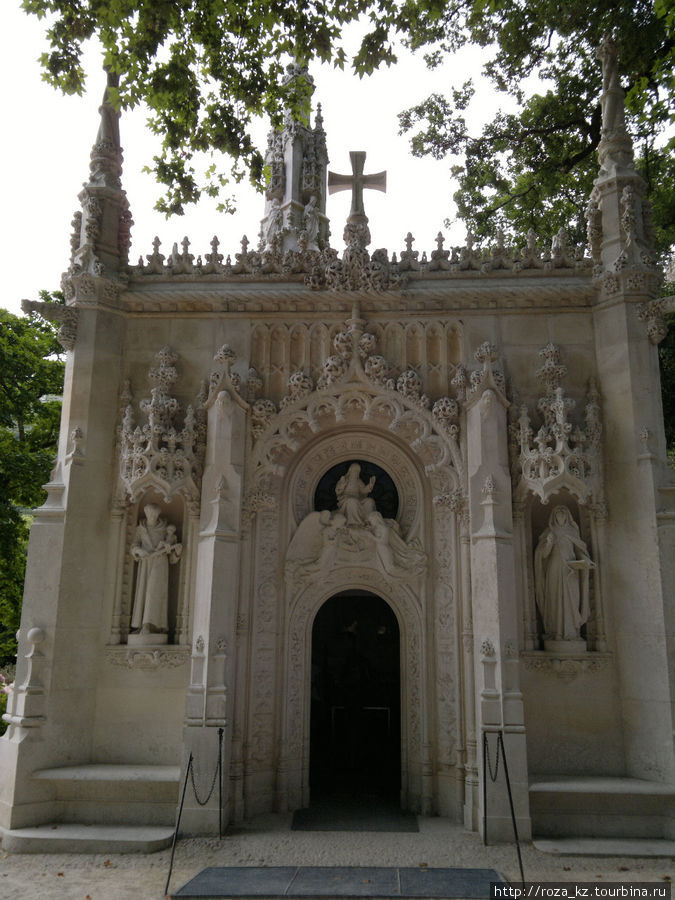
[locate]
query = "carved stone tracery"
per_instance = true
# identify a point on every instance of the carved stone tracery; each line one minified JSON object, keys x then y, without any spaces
{"x":161,"y":453}
{"x":562,"y":457}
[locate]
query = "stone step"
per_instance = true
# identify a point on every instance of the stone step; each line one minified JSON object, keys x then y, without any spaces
{"x":589,"y":806}
{"x":73,"y":838}
{"x":620,"y":847}
{"x":114,"y":793}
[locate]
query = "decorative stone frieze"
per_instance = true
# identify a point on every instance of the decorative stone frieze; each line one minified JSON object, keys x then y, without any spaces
{"x":562,"y":457}
{"x":146,"y":658}
{"x":566,"y":667}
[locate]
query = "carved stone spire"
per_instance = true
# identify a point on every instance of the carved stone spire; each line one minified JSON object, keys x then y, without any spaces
{"x":615,"y":151}
{"x":106,"y":154}
{"x":295,"y":200}
{"x":102,"y":234}
{"x":619,"y":212}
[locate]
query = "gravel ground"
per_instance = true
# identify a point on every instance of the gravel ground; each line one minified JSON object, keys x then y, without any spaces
{"x":268,"y":840}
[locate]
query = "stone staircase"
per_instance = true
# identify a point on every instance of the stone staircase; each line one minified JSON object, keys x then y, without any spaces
{"x":569,"y":806}
{"x":102,"y":808}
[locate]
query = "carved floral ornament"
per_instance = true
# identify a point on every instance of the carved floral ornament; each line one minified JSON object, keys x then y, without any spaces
{"x":561,"y":457}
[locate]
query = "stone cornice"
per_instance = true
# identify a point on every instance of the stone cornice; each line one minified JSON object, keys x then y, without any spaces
{"x":248,"y":294}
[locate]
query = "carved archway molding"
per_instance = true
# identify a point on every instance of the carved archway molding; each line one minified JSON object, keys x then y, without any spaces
{"x":432,"y":439}
{"x":330,"y":448}
{"x":303,"y":605}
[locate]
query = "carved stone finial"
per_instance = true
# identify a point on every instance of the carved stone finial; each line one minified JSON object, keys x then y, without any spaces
{"x":106,"y":154}
{"x":615,"y":150}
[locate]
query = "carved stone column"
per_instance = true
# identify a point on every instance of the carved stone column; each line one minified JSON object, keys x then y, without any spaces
{"x":494,"y":605}
{"x":215,"y":609}
{"x":627,"y":325}
{"x":62,"y":597}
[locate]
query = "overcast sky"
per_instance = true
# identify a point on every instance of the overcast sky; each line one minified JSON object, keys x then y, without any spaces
{"x":48,"y":137}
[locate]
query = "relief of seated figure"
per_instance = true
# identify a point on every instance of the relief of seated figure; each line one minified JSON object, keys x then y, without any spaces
{"x":354,"y":534}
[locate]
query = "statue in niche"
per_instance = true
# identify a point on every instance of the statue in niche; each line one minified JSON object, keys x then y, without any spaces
{"x":561,"y":577}
{"x":155,"y":546}
{"x":352,"y":496}
{"x":354,"y":534}
{"x":275,"y":223}
{"x":311,"y":222}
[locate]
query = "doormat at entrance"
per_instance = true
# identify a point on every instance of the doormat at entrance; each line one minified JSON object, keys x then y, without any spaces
{"x":333,"y":815}
{"x":275,"y":882}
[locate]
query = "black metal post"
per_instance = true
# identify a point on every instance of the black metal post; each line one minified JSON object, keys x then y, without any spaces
{"x":220,"y":782}
{"x":180,"y":813}
{"x":513,"y":813}
{"x":485,"y":750}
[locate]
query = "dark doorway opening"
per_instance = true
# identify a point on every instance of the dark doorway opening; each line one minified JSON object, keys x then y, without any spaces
{"x":355,"y":726}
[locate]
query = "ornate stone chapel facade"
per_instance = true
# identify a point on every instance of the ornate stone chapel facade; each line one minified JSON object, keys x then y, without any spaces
{"x":384,"y":503}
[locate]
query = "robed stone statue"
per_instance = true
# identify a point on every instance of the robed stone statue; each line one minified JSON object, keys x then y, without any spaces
{"x":155,"y":546}
{"x":561,"y":576}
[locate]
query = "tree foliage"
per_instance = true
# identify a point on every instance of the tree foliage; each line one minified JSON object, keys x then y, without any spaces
{"x":534,"y":168}
{"x":31,"y":381}
{"x":206,"y":68}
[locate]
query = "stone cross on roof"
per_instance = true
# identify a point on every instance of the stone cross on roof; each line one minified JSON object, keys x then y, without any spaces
{"x":356,"y":182}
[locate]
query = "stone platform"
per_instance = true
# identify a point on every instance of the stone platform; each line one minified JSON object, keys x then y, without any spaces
{"x":338,"y":881}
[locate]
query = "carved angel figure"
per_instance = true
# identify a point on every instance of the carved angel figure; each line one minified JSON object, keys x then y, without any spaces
{"x":561,"y":576}
{"x":154,"y":547}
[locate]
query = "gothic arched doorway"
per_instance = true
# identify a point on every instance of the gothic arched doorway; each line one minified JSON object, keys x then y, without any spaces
{"x":355,"y":719}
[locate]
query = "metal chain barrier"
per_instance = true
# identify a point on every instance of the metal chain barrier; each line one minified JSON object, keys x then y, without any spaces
{"x":487,"y":768}
{"x":190,"y":774}
{"x":194,"y":786}
{"x":493,"y":776}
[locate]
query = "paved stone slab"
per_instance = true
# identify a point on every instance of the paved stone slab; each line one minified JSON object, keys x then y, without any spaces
{"x":345,"y":881}
{"x":468,"y":883}
{"x":338,"y":881}
{"x":239,"y":881}
{"x":569,"y":846}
